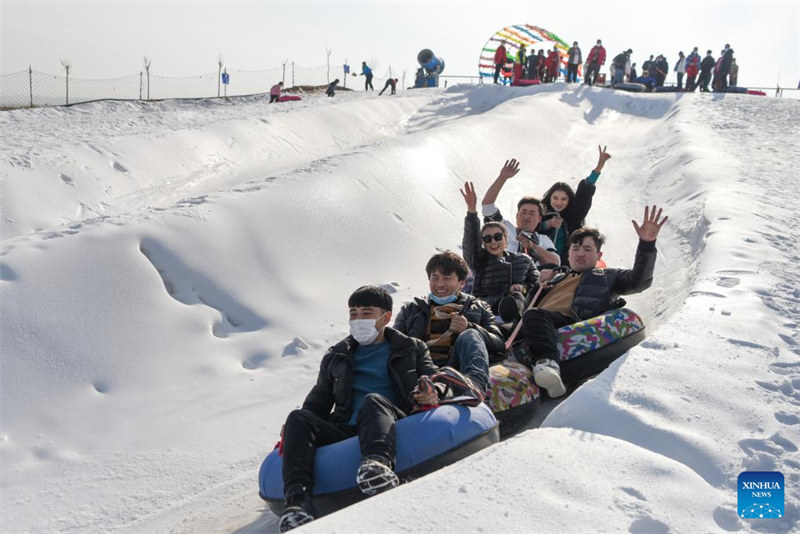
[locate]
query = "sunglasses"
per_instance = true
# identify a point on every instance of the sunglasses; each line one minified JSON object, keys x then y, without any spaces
{"x":488,"y":238}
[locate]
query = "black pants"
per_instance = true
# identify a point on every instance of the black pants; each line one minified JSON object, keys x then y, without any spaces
{"x":305,"y":432}
{"x":539,"y":328}
{"x":497,"y":68}
{"x":705,"y":77}
{"x":572,"y":72}
{"x":368,"y":82}
{"x":590,"y":76}
{"x":273,"y":98}
{"x":690,"y":83}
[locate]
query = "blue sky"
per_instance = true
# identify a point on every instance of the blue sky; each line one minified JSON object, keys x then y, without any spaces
{"x":109,"y":39}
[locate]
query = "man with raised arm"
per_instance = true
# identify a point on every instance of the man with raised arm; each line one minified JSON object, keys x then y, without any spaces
{"x":585,"y":292}
{"x":522,"y":237}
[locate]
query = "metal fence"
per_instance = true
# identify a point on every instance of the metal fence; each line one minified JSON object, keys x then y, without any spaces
{"x":32,"y":88}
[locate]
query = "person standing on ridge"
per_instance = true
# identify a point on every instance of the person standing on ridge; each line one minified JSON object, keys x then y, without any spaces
{"x":574,"y":60}
{"x":366,"y":71}
{"x":706,"y":68}
{"x":725,"y":67}
{"x":499,"y":60}
{"x":596,"y":59}
{"x":331,"y":90}
{"x":692,"y":68}
{"x":680,"y":69}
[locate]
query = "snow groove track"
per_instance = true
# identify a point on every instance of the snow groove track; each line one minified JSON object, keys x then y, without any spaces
{"x":172,"y":273}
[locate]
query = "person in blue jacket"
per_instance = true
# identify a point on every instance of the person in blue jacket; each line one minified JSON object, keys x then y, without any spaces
{"x":367,"y":72}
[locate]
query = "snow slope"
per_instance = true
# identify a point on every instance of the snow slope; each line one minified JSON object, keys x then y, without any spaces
{"x":172,"y":273}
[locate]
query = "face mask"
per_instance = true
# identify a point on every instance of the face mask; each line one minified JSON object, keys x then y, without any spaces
{"x":364,"y":331}
{"x":443,"y":300}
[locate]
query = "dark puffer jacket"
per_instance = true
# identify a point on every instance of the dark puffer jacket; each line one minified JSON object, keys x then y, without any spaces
{"x":413,"y":318}
{"x":408,"y":361}
{"x":599,"y":289}
{"x":494,"y":275}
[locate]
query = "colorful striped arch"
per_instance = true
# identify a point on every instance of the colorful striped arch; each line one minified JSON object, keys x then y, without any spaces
{"x":532,"y":37}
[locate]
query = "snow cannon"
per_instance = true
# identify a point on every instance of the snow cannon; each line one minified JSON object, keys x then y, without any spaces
{"x":432,"y":66}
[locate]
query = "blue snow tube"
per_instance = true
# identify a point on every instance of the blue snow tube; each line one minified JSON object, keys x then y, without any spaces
{"x":426,"y":441}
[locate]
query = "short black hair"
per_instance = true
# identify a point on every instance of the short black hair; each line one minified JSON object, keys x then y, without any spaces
{"x":448,"y":262}
{"x":577,"y":237}
{"x":531,"y":200}
{"x":367,"y":296}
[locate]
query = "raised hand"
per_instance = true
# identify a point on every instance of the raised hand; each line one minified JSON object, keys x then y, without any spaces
{"x":602,"y":158}
{"x":470,"y":197}
{"x":651,"y":225}
{"x":510,"y":169}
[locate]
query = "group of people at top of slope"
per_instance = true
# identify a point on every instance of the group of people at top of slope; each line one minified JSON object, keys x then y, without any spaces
{"x":654,"y":71}
{"x":380,"y":374}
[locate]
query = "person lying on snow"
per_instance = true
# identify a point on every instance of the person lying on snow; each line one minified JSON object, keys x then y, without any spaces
{"x":459,"y":329}
{"x":523,"y":237}
{"x":366,"y":382}
{"x":583,"y":293}
{"x":502,"y":278}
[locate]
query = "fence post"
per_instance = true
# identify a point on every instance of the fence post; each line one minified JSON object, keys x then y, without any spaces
{"x":292,"y":73}
{"x":30,"y":83}
{"x":283,"y":76}
{"x":66,"y":64}
{"x":140,"y":85}
{"x":147,"y":70}
{"x":219,"y":76}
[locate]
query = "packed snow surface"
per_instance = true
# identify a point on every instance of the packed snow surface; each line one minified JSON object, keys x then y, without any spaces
{"x":172,"y":273}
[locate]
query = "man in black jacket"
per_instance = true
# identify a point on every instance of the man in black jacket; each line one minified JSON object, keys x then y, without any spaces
{"x":366,"y":382}
{"x":584,"y":293}
{"x":706,"y":68}
{"x":459,"y":329}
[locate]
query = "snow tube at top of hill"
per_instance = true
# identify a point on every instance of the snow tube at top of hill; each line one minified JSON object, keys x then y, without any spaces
{"x":426,"y":441}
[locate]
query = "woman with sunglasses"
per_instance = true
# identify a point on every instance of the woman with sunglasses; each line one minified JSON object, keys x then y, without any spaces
{"x":501,"y":278}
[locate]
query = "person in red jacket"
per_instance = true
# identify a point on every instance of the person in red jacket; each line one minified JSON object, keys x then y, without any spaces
{"x":499,"y":59}
{"x":596,"y":59}
{"x":553,"y":60}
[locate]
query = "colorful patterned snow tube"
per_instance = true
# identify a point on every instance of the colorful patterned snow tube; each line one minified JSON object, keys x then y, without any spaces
{"x":426,"y":441}
{"x":585,"y":349}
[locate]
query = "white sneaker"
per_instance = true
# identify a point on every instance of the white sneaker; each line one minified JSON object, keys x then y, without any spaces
{"x":547,"y":375}
{"x":375,"y":477}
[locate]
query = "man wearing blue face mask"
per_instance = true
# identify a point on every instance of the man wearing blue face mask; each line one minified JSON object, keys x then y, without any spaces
{"x":459,"y":329}
{"x":366,"y":382}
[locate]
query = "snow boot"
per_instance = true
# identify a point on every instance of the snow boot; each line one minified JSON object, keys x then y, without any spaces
{"x":547,"y":375}
{"x":374,"y":476}
{"x":299,"y":508}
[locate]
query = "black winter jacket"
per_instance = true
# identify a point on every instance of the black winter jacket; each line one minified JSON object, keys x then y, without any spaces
{"x":494,"y":275}
{"x":708,"y":64}
{"x":599,"y":289}
{"x":408,"y":361}
{"x":727,"y":60}
{"x":414,"y":316}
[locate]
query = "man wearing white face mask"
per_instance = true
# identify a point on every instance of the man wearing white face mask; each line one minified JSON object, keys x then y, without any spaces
{"x":366,"y":382}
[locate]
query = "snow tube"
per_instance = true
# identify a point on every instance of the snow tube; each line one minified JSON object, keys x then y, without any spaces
{"x":737,"y":90}
{"x":288,"y":98}
{"x":585,"y":349}
{"x":631,"y":86}
{"x":526,"y":82}
{"x":426,"y":441}
{"x":756,"y":92}
{"x":667,"y":89}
